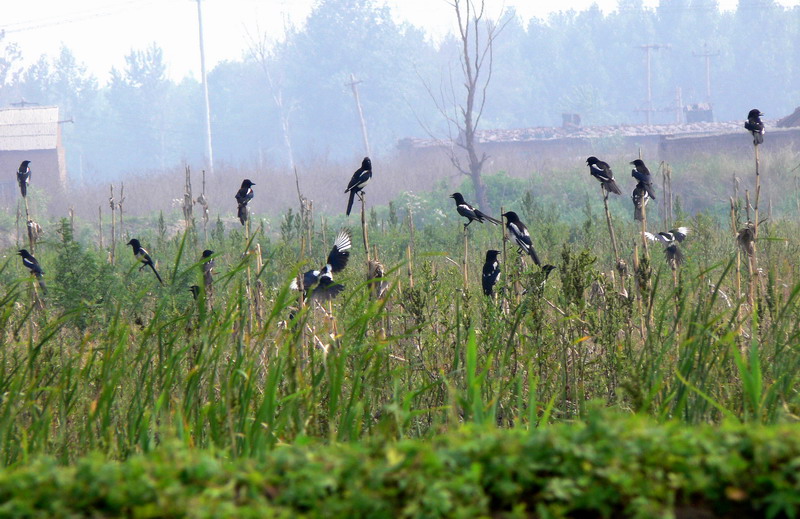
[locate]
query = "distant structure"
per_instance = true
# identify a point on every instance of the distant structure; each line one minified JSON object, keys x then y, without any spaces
{"x":31,"y":133}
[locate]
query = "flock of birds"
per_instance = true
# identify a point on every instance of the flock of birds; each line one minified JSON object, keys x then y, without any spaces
{"x":319,"y":283}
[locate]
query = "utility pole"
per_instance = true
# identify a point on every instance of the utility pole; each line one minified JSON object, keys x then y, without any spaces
{"x":707,"y":55}
{"x":354,"y":85}
{"x":648,"y":110}
{"x":209,"y":149}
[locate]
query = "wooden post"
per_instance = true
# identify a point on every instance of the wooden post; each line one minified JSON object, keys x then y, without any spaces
{"x":113,"y":205}
{"x":364,"y":225}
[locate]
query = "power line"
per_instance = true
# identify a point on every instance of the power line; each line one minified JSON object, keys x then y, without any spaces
{"x":53,"y":21}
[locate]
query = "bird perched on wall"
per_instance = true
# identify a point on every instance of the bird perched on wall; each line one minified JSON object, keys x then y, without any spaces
{"x":470,"y":213}
{"x":358,"y":181}
{"x":640,"y":198}
{"x":491,"y":271}
{"x":31,"y":264}
{"x":521,"y":235}
{"x":754,"y":124}
{"x":320,"y":282}
{"x":243,"y":196}
{"x":24,"y":177}
{"x":602,"y":172}
{"x":670,"y":239}
{"x":141,"y":255}
{"x":208,"y":267}
{"x":642,"y":174}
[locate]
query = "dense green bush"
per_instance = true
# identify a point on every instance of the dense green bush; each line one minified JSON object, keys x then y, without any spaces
{"x":608,"y":466}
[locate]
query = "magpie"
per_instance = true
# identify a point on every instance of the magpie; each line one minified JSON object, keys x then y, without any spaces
{"x":670,"y":239}
{"x":754,"y":124}
{"x":602,"y":172}
{"x":491,"y":271}
{"x":208,"y":267}
{"x":746,"y":238}
{"x":144,"y":257}
{"x":521,"y":235}
{"x":24,"y":177}
{"x":640,"y":199}
{"x":244,"y":195}
{"x":31,"y":264}
{"x":642,"y":174}
{"x":470,"y":213}
{"x":320,"y":282}
{"x":195,"y":290}
{"x":359,"y":180}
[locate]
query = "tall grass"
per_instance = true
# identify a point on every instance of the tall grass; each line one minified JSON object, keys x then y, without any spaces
{"x":118,"y":364}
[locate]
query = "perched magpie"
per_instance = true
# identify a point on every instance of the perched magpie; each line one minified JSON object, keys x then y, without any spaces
{"x":244,"y":195}
{"x":491,"y":271}
{"x":31,"y":264}
{"x":144,"y":257}
{"x":320,"y":282}
{"x":521,"y":235}
{"x":359,"y":180}
{"x":602,"y":172}
{"x":746,"y":238}
{"x":671,"y":239}
{"x":470,"y":213}
{"x":195,"y":290}
{"x":754,"y":124}
{"x":640,"y":198}
{"x":24,"y":177}
{"x":208,"y":267}
{"x":642,"y":174}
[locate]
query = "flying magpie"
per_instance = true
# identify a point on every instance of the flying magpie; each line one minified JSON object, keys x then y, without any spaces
{"x":640,"y":198}
{"x":491,"y":271}
{"x":31,"y":264}
{"x":244,"y":195}
{"x":24,"y":177}
{"x":320,"y":282}
{"x":642,"y":174}
{"x":470,"y":213}
{"x":754,"y":124}
{"x":670,"y":239}
{"x":359,"y":180}
{"x":521,"y":235}
{"x":208,"y":267}
{"x":144,"y":257}
{"x":602,"y":172}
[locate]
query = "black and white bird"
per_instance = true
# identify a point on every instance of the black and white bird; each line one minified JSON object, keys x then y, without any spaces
{"x":31,"y":264}
{"x":602,"y":172}
{"x":358,"y":181}
{"x":243,"y":196}
{"x":471,"y":213}
{"x":24,"y":177}
{"x":141,"y":255}
{"x":491,"y":271}
{"x":671,"y":239}
{"x":640,"y":199}
{"x":208,"y":268}
{"x":521,"y":235}
{"x":642,"y":174}
{"x":754,"y":124}
{"x":320,"y":282}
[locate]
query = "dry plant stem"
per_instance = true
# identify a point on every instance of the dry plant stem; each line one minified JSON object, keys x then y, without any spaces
{"x":31,"y":239}
{"x":113,"y":205}
{"x":610,"y":225}
{"x":119,"y":206}
{"x":410,"y":266}
{"x":504,"y":241}
{"x":464,"y":264}
{"x":751,"y":294}
{"x":364,"y":233}
{"x":19,"y":216}
{"x":100,"y":225}
{"x":639,"y":300}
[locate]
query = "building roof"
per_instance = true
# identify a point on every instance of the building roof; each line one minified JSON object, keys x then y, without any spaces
{"x":29,"y":128}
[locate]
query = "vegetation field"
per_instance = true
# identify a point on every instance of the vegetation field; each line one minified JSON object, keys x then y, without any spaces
{"x":697,"y":363}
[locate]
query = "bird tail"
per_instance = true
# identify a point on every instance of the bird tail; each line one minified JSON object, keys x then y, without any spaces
{"x":242,"y":213}
{"x":674,"y":256}
{"x":487,"y":217}
{"x":612,"y":187}
{"x":534,"y":257}
{"x":350,"y":201}
{"x":650,"y":191}
{"x":41,"y":283}
{"x":23,"y":187}
{"x":156,"y":273}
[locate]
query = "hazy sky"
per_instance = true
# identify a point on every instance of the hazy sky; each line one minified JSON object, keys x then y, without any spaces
{"x":101,"y":32}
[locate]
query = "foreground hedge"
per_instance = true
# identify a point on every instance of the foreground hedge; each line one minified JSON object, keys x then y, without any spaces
{"x":606,"y":467}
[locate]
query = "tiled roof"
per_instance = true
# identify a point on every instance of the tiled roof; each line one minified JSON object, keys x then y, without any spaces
{"x":29,"y":128}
